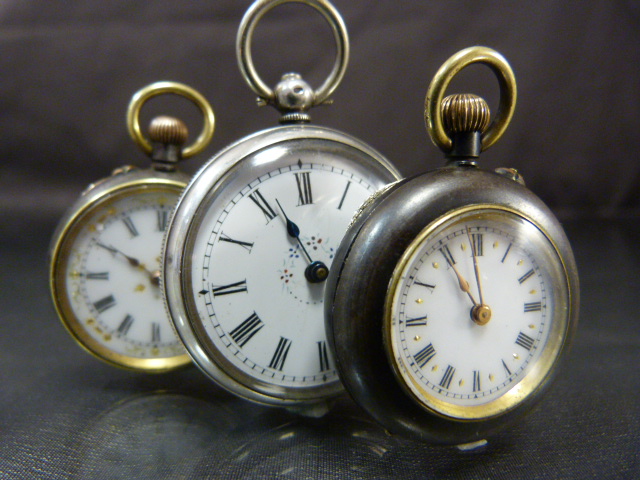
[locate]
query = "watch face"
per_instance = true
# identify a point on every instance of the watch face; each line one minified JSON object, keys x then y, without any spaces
{"x":106,"y":278}
{"x":477,"y":313}
{"x":257,"y":253}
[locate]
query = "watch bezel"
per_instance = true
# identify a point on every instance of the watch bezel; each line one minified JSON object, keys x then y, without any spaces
{"x":536,"y":374}
{"x":98,"y":195}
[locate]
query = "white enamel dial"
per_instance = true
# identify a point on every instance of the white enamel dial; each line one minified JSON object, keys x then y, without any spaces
{"x":247,"y":255}
{"x":107,"y":279}
{"x":255,"y":302}
{"x":475,"y":313}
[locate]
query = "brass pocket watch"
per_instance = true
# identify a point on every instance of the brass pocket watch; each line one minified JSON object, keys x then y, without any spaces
{"x":454,"y":294}
{"x":253,"y":237}
{"x":105,"y":253}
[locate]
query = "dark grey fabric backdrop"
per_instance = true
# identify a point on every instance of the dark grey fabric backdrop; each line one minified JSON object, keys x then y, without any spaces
{"x":68,"y":69}
{"x":67,"y":72}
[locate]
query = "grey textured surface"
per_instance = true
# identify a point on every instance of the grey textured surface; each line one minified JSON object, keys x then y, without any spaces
{"x":64,"y":414}
{"x":67,"y":71}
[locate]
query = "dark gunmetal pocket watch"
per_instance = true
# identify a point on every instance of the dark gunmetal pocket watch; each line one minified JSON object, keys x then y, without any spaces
{"x":254,"y":235}
{"x":105,"y":254}
{"x":454,"y":294}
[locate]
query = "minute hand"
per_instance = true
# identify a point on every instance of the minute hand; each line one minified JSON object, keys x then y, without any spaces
{"x":294,"y":231}
{"x":315,"y":272}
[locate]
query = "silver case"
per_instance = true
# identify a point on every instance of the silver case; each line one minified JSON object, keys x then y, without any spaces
{"x":206,"y":184}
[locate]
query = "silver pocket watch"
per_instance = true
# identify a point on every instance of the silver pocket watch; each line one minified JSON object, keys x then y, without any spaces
{"x":454,"y":295}
{"x":254,"y":235}
{"x":105,"y":253}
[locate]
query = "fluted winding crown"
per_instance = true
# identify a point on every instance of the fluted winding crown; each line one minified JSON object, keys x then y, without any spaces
{"x":168,"y":130}
{"x":464,"y":112}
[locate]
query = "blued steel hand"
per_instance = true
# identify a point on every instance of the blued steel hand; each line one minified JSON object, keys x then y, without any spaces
{"x":316,"y":271}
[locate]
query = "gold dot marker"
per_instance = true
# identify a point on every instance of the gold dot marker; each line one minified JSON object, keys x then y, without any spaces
{"x":434,"y":368}
{"x":417,"y":338}
{"x":533,"y":292}
{"x":90,"y":321}
{"x":496,"y":244}
{"x":107,"y":337}
{"x":461,"y":382}
{"x":516,"y":356}
{"x":463,"y":246}
{"x":419,"y":301}
{"x":74,"y":274}
{"x":532,"y":326}
{"x":436,"y":265}
{"x":520,"y":262}
{"x":491,"y":377}
{"x":140,"y":288}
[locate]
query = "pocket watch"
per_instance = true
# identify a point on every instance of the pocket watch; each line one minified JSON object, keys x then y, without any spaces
{"x":105,"y":253}
{"x":454,"y":294}
{"x":253,"y":236}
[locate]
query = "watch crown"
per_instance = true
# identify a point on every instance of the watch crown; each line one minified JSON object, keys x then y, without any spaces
{"x":167,"y":135}
{"x":168,"y":130}
{"x":464,"y":112}
{"x":465,"y":117}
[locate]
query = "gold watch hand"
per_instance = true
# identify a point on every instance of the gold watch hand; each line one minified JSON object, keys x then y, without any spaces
{"x":480,"y":314}
{"x":154,"y":277}
{"x":476,"y":269}
{"x":464,"y":285}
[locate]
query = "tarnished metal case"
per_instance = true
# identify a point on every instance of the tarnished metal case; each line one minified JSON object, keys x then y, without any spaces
{"x":363,"y":270}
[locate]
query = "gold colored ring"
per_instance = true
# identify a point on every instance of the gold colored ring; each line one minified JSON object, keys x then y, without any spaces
{"x":160,"y":88}
{"x":441,"y":80}
{"x":245,"y":36}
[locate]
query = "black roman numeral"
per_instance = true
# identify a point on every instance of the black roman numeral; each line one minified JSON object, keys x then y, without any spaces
{"x":476,"y":244}
{"x":104,"y":303}
{"x":97,"y":276}
{"x":525,"y":341}
{"x":280,"y":355}
{"x":447,"y":377}
{"x":260,"y":201}
{"x":246,"y":330}
{"x":237,"y":287}
{"x":476,"y":381}
{"x":323,"y":356}
{"x":125,"y":325}
{"x":344,"y":195}
{"x":303,"y":181}
{"x":424,"y":355}
{"x":414,"y":322}
{"x":130,"y":226}
{"x":426,"y":285}
{"x":155,"y":332}
{"x":525,"y":277}
{"x":532,"y":307}
{"x":506,"y":369}
{"x":226,"y":238}
{"x":163,"y":216}
{"x":447,"y":255}
{"x":506,"y":253}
